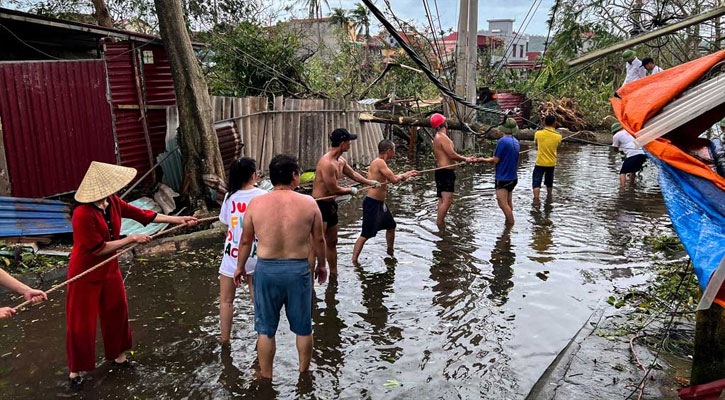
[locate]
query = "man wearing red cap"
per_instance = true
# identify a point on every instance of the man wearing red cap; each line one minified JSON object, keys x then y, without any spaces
{"x":446,"y":156}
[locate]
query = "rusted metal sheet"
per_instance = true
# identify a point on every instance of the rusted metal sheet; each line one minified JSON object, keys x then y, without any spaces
{"x":158,"y":81}
{"x":26,"y":217}
{"x":230,"y":143}
{"x":157,"y":90}
{"x":56,"y":120}
{"x":511,"y":101}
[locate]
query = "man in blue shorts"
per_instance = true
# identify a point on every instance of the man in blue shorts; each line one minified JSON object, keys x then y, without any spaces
{"x":283,"y":222}
{"x":506,"y":158}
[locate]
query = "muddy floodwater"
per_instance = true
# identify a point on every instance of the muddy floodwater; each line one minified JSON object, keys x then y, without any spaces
{"x":476,"y":311}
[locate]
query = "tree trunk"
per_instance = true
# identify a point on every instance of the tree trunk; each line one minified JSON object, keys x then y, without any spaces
{"x":102,"y":15}
{"x":487,"y":131}
{"x":199,"y":142}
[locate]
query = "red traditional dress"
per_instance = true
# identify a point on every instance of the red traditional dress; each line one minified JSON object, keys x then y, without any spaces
{"x":101,"y":292}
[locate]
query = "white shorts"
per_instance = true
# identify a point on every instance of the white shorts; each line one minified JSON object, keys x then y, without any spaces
{"x":228,"y":271}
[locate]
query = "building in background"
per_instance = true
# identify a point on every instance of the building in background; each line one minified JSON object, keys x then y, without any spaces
{"x":515,"y":44}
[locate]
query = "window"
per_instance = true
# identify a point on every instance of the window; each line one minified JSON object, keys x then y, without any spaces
{"x":148,"y":57}
{"x":513,"y":51}
{"x":521,"y":52}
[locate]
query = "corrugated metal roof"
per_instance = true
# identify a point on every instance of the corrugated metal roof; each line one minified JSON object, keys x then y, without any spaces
{"x":131,"y":227}
{"x":56,"y":120}
{"x":26,"y":217}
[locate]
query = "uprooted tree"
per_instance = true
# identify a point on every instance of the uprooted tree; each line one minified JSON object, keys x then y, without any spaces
{"x":199,"y":143}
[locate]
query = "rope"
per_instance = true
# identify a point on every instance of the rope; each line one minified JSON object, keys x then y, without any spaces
{"x":431,"y":170}
{"x":115,"y":256}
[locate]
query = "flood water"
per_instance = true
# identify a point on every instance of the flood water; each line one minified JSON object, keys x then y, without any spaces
{"x":476,"y":311}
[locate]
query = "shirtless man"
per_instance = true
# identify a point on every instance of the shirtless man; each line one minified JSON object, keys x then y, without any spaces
{"x":445,"y":155}
{"x":329,"y":170}
{"x":376,"y":214}
{"x":282,"y":222}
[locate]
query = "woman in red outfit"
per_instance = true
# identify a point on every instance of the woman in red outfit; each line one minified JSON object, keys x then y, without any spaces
{"x":101,"y":293}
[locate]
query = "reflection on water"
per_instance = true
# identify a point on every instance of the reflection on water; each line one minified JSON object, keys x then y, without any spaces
{"x":475,"y":311}
{"x":502,"y":261}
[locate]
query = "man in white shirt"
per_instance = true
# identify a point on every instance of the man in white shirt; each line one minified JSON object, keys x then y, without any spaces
{"x":650,"y":67}
{"x":633,"y":66}
{"x":635,"y":157}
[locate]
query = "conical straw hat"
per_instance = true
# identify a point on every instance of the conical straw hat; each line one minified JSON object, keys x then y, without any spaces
{"x":103,"y":180}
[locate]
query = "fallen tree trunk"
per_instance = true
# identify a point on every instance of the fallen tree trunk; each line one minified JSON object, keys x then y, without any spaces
{"x":486,"y":131}
{"x":386,"y":118}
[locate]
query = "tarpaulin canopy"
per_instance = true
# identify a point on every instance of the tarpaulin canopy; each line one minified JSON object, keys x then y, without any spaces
{"x":693,"y":192}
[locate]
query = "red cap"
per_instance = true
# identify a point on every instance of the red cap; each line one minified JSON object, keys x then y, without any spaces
{"x":437,"y":121}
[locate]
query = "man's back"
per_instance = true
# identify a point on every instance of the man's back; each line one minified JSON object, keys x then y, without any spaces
{"x":625,"y":142}
{"x":375,"y":173}
{"x":547,"y":141}
{"x":441,"y":143}
{"x":507,"y":150}
{"x":283,"y":221}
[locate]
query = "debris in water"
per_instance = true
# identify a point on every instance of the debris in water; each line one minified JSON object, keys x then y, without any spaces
{"x":393,"y":383}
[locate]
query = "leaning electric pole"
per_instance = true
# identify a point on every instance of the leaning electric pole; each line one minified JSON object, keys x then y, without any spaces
{"x":466,"y":56}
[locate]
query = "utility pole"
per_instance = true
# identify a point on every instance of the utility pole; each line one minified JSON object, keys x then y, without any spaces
{"x":466,"y":55}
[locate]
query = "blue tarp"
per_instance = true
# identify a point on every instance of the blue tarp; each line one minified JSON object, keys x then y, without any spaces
{"x":697,"y":211}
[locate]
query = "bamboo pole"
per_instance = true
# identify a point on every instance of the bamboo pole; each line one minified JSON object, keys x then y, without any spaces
{"x":115,"y":256}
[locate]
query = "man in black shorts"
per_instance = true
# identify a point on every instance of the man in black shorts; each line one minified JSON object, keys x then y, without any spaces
{"x":506,"y":159}
{"x":634,"y":162}
{"x":330,"y":169}
{"x":376,"y":214}
{"x":446,"y":158}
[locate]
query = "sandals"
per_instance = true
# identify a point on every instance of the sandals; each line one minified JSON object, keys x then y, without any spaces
{"x":126,"y":364}
{"x":76,"y":383}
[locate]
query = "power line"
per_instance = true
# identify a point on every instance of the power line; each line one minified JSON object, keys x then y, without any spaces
{"x":521,"y":29}
{"x":29,"y":45}
{"x":411,"y":53}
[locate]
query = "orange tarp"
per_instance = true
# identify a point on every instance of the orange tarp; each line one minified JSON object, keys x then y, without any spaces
{"x":640,"y":100}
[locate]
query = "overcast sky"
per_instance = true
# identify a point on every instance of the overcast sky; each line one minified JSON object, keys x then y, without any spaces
{"x":487,"y":9}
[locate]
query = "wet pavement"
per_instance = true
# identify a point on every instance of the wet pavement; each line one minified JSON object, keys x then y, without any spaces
{"x":476,"y":311}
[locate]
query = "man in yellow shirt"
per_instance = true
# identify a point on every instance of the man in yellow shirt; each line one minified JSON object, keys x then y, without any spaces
{"x":547,"y":141}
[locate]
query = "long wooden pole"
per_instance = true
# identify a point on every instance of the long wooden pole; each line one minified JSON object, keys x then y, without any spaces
{"x":625,"y":44}
{"x":113,"y":257}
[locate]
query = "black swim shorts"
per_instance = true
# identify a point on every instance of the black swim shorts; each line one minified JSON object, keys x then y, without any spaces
{"x":445,"y":181}
{"x":376,"y":217}
{"x":508,"y":185}
{"x":329,"y":212}
{"x":633,"y":164}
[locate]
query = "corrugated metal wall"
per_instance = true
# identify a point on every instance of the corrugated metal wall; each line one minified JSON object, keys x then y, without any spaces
{"x":55,"y":121}
{"x":155,"y":77}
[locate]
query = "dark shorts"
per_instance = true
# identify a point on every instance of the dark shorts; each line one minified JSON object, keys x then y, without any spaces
{"x":547,"y":173}
{"x":282,"y":282}
{"x":633,"y":164}
{"x":508,"y":185}
{"x":329,"y":212}
{"x":445,"y":181}
{"x":376,"y":217}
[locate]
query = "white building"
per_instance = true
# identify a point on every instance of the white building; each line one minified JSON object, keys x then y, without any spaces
{"x":515,"y":45}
